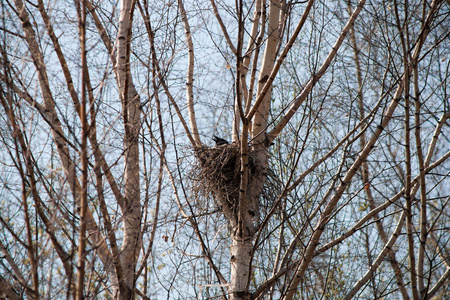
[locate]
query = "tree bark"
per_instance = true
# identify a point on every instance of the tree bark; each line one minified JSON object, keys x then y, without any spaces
{"x":132,"y":241}
{"x":243,"y":232}
{"x":240,"y":252}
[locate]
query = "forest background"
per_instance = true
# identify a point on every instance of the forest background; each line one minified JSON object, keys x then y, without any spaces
{"x":333,"y":183}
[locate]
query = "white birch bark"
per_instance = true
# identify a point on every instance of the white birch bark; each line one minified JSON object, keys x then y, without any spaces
{"x":253,"y":43}
{"x":242,"y":234}
{"x":240,"y":256}
{"x":259,"y":124}
{"x":190,"y":76}
{"x":132,"y":242}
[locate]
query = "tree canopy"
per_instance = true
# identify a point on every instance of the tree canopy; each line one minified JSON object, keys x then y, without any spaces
{"x":263,"y":149}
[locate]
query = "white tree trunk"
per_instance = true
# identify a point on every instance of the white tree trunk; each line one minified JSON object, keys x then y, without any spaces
{"x":132,"y":241}
{"x":240,"y":256}
{"x":243,"y":233}
{"x":261,"y":116}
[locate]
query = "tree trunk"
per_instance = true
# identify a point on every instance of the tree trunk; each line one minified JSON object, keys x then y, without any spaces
{"x":243,"y":233}
{"x":240,"y":252}
{"x":132,"y":241}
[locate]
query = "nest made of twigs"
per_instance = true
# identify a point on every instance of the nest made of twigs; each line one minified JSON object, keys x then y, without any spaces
{"x":216,"y":176}
{"x":218,"y":171}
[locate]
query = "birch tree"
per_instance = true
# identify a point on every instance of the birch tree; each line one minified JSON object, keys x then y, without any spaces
{"x":329,"y":174}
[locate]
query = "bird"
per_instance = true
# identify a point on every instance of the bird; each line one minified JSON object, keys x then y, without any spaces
{"x":220,"y":141}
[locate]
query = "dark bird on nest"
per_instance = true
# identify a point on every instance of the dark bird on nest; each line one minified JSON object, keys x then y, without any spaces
{"x":219,"y":141}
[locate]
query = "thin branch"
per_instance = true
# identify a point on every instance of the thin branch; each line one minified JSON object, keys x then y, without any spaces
{"x":162,"y":81}
{"x":386,"y":250}
{"x":81,"y":13}
{"x":223,"y":27}
{"x":190,"y":75}
{"x":316,"y":77}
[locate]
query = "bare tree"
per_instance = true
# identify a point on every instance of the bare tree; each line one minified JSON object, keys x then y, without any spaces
{"x":328,"y":177}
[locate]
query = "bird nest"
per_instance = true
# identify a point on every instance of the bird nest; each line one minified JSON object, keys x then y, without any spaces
{"x":216,"y":177}
{"x":217,"y":173}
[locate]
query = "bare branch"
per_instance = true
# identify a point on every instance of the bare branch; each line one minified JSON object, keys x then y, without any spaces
{"x":190,"y":75}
